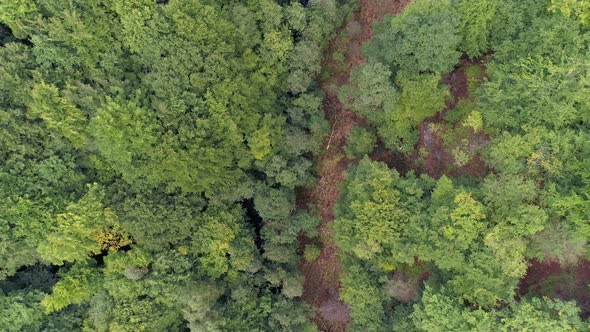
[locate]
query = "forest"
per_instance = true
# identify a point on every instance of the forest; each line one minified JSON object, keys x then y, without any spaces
{"x":294,"y":165}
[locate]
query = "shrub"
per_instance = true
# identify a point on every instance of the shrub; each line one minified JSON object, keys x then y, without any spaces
{"x":360,"y":142}
{"x":311,"y":252}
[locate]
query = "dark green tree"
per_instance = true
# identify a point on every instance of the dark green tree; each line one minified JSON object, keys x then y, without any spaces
{"x":424,"y":38}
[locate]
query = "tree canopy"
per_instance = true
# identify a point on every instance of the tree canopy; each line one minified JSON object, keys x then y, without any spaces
{"x":150,"y":156}
{"x":158,"y":161}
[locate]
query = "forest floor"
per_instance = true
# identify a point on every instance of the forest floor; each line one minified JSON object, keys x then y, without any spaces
{"x":550,"y":279}
{"x":322,"y":277}
{"x":435,"y":158}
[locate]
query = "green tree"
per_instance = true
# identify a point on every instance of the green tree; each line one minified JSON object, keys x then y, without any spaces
{"x":58,"y":113}
{"x":379,"y":215}
{"x":483,"y":281}
{"x":221,"y":244}
{"x":178,"y":112}
{"x":558,"y":242}
{"x":24,"y":225}
{"x":200,"y":300}
{"x":370,"y":215}
{"x":572,"y":8}
{"x":20,"y":311}
{"x":76,"y":286}
{"x":18,"y":15}
{"x":157,"y":222}
{"x":369,"y":91}
{"x":424,"y":38}
{"x":365,"y":299}
{"x":360,"y":142}
{"x":86,"y":228}
{"x":536,"y":92}
{"x":543,"y":314}
{"x":421,"y":96}
{"x":312,"y":252}
{"x":475,"y":19}
{"x":439,"y":311}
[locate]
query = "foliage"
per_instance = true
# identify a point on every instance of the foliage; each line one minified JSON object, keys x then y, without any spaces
{"x":474,"y":121}
{"x":421,"y":96}
{"x":152,"y":153}
{"x":475,"y":235}
{"x":133,"y":135}
{"x":475,"y":20}
{"x":369,"y":91}
{"x":58,"y":113}
{"x":395,"y":115}
{"x":370,"y":215}
{"x":23,"y":226}
{"x":360,"y":142}
{"x":424,"y":38}
{"x":541,"y":93}
{"x":85,"y":229}
{"x":474,"y":75}
{"x":438,"y":310}
{"x":199,"y":305}
{"x":577,"y":8}
{"x":21,"y":311}
{"x":558,"y":242}
{"x":311,"y":252}
{"x":364,"y":297}
{"x":77,"y":285}
{"x":543,"y":314}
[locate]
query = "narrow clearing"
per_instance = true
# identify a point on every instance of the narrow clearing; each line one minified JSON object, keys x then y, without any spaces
{"x":321,"y":288}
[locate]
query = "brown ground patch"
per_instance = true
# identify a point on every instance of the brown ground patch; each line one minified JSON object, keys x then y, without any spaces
{"x":457,"y":82}
{"x":438,"y":159}
{"x":550,"y":279}
{"x":397,"y":161}
{"x":403,"y":286}
{"x":431,"y":156}
{"x":322,"y":277}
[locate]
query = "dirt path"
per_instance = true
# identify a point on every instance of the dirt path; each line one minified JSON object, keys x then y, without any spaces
{"x":322,"y":277}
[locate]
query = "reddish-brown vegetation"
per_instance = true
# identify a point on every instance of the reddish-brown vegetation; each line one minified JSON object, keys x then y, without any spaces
{"x":433,"y":156}
{"x":566,"y":283}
